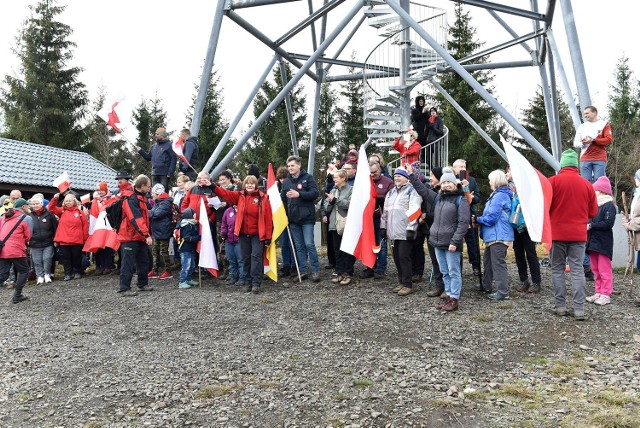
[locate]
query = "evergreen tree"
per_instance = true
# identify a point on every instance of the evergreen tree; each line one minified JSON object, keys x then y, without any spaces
{"x":148,"y":116}
{"x":213,"y":124}
{"x":45,"y":103}
{"x":464,"y":141}
{"x":351,"y":116}
{"x":624,"y":102}
{"x":534,"y":120}
{"x":272,"y":141}
{"x":326,"y":135}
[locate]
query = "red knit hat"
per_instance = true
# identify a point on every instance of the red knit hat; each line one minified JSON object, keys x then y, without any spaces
{"x":102,"y":186}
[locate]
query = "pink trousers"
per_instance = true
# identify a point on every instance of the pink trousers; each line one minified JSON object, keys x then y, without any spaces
{"x":601,"y":267}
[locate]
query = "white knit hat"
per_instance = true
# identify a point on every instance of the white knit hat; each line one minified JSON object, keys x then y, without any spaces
{"x":448,"y":175}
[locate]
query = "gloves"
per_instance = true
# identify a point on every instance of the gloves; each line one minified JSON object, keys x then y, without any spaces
{"x":383,"y":233}
{"x":267,"y":242}
{"x":411,"y":235}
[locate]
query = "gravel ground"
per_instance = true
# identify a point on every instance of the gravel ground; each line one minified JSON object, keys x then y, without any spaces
{"x":78,"y":355}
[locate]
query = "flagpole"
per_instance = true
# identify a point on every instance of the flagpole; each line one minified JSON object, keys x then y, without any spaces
{"x":199,"y":277}
{"x":295,"y":258}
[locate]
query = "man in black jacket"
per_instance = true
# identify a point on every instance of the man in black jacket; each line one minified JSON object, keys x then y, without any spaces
{"x":299,"y":192}
{"x":162,"y":157}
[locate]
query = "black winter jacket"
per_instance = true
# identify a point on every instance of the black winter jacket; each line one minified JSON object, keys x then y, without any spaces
{"x":600,"y":236}
{"x":300,"y":210}
{"x":45,"y":225}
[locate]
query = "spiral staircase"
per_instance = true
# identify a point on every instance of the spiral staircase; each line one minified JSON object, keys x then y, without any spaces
{"x":393,"y":69}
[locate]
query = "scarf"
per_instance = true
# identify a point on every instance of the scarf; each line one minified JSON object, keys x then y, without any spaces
{"x":432,"y":119}
{"x":186,"y":221}
{"x":603,"y":199}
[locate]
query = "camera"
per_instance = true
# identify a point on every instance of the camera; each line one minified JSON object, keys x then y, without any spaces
{"x":463,"y":174}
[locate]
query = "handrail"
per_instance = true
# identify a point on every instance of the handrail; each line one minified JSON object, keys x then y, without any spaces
{"x":437,"y":152}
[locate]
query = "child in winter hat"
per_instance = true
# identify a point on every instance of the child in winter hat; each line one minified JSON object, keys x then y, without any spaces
{"x":603,"y":185}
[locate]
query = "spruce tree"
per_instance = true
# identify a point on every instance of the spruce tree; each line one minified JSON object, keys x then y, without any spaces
{"x":326,"y":139}
{"x":351,"y":116}
{"x":213,"y":125}
{"x":464,"y":141}
{"x":272,"y":141}
{"x":45,"y":103}
{"x":624,"y":102}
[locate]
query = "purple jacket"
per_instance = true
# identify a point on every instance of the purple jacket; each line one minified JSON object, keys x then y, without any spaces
{"x":228,"y":224}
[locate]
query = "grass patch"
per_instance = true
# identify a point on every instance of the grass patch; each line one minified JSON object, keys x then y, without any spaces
{"x":478,"y":395}
{"x":539,"y":360}
{"x":362,"y":383}
{"x":444,"y":403}
{"x":615,"y":418}
{"x":214,"y":391}
{"x":267,"y":385}
{"x":616,"y":398}
{"x":246,"y":412}
{"x":339,"y":397}
{"x":483,"y":317}
{"x":266,"y":300}
{"x":24,"y":396}
{"x":516,"y":390}
{"x":336,"y":423}
{"x":504,"y":306}
{"x":567,"y":368}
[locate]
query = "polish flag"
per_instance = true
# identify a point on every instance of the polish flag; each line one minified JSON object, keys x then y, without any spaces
{"x":85,"y":199}
{"x":178,"y":148}
{"x":101,"y":235}
{"x":280,"y":222}
{"x":63,"y":182}
{"x":358,"y":238}
{"x":110,"y":116}
{"x":535,"y":194}
{"x":205,"y":247}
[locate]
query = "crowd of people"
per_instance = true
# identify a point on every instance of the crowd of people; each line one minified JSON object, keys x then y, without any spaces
{"x":159,"y":231}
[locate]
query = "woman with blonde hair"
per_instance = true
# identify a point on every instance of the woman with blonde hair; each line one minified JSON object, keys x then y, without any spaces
{"x":254,"y":227}
{"x":72,"y":232}
{"x":337,"y":202}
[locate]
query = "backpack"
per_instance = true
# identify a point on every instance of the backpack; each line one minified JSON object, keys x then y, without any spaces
{"x":114,"y":214}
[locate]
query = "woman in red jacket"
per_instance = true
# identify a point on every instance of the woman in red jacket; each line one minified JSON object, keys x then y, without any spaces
{"x":15,"y":233}
{"x":254,"y":226}
{"x":73,"y":231}
{"x":409,"y":147}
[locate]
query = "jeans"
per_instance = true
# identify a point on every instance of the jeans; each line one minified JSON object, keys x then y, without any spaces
{"x":71,"y":259}
{"x":236,"y":269}
{"x":303,"y":241}
{"x":161,"y":259}
{"x":344,"y":261}
{"x":251,"y":252}
{"x":287,"y":253}
{"x":449,"y":263}
{"x":573,"y":253}
{"x":592,"y":170}
{"x":495,"y":268}
{"x":525,"y":251}
{"x":603,"y":273}
{"x":402,"y":258}
{"x":134,"y":254}
{"x":188,"y":263}
{"x":381,"y":260}
{"x":42,"y":259}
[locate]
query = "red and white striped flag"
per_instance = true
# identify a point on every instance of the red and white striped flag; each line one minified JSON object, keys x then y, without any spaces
{"x":101,"y":234}
{"x":535,"y":194}
{"x":208,"y":259}
{"x":63,"y":182}
{"x":178,"y":148}
{"x":358,"y":237}
{"x":85,"y":199}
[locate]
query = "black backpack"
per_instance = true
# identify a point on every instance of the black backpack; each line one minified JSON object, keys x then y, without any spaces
{"x":114,"y":213}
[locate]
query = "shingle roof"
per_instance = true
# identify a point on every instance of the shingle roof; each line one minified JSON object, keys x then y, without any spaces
{"x":37,"y":165}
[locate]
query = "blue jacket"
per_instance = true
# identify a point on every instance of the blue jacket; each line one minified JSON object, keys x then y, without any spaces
{"x":600,"y":237}
{"x":300,"y":210}
{"x":189,"y":236}
{"x":495,"y":217}
{"x":161,"y":218}
{"x":163,"y":158}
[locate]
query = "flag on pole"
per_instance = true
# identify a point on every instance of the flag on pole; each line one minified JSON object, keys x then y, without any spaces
{"x":109,"y":115}
{"x":208,"y":259}
{"x":535,"y":194}
{"x":280,"y":222}
{"x":63,"y":182}
{"x":359,"y":237}
{"x":178,"y":148}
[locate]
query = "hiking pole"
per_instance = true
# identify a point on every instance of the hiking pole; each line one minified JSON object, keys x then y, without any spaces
{"x":630,"y":240}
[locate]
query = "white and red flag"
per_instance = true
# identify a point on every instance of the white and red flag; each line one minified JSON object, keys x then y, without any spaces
{"x":535,"y":194}
{"x":358,"y":237}
{"x":101,"y":234}
{"x":280,"y":222}
{"x":208,"y":259}
{"x":85,"y":199}
{"x":63,"y":182}
{"x":178,"y":148}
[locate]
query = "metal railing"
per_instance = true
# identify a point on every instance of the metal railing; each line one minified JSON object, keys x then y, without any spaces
{"x":433,"y":154}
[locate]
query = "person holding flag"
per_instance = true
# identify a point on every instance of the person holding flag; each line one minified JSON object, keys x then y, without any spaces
{"x":254,"y":227}
{"x":336,"y":207}
{"x":280,"y":223}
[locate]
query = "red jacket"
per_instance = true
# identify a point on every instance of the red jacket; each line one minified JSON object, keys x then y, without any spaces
{"x":135,"y":217}
{"x":409,"y":155}
{"x":73,"y":228}
{"x":254,"y":212}
{"x":192,"y":200}
{"x":16,"y":245}
{"x":574,"y":202}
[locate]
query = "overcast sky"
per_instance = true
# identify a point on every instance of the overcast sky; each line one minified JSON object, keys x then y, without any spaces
{"x":139,"y":49}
